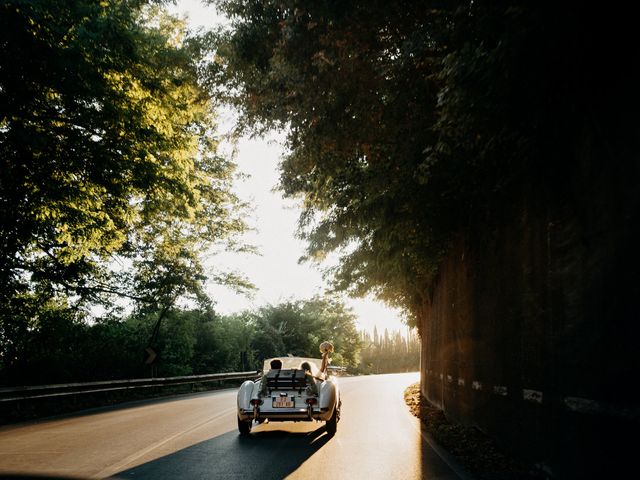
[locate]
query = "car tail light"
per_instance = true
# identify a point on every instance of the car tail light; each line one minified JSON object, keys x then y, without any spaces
{"x":311,"y":401}
{"x":255,"y":402}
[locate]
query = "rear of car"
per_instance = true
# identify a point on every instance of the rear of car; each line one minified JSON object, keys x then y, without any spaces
{"x":289,"y":394}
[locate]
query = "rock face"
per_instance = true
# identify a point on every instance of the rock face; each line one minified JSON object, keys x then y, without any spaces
{"x":532,"y":326}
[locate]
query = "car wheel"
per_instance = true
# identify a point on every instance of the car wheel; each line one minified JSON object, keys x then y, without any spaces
{"x":332,"y":423}
{"x":244,"y":427}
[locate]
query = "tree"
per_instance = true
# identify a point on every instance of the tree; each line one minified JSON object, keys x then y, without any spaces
{"x":412,"y":123}
{"x":298,"y":328}
{"x":395,"y":354}
{"x":110,"y":184}
{"x":354,"y":83}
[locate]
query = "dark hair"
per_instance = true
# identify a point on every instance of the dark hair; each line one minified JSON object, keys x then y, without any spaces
{"x":305,"y":366}
{"x":276,"y":364}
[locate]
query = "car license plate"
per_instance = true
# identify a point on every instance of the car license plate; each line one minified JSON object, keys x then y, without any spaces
{"x":283,"y":402}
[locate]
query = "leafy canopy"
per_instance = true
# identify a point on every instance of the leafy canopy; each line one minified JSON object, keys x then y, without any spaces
{"x":355,"y":84}
{"x":299,"y":327}
{"x":412,"y":123}
{"x":107,"y":145}
{"x":110,"y":183}
{"x":63,"y":348}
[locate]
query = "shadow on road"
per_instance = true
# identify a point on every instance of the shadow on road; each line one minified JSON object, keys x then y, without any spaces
{"x":262,"y":454}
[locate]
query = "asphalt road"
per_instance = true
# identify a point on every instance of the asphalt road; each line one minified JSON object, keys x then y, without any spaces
{"x":196,"y":437}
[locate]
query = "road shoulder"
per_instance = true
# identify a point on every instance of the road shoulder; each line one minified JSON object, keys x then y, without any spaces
{"x":473,"y":450}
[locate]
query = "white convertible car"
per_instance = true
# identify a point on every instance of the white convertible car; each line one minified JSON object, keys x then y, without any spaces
{"x":298,"y":391}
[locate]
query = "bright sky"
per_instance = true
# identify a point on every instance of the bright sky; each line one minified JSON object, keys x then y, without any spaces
{"x":275,"y":272}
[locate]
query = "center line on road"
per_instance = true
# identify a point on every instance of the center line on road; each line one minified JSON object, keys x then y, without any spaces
{"x":113,"y":469}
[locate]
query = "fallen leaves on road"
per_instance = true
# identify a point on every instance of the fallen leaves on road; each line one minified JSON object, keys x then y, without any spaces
{"x":474,"y":450}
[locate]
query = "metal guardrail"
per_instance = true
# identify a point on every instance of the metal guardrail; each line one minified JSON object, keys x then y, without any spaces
{"x":9,"y":394}
{"x":336,"y":368}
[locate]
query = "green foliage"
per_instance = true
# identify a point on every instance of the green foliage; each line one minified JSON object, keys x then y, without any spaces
{"x":389,"y":353}
{"x":60,"y":346}
{"x":107,"y":148}
{"x":410,"y":123}
{"x":355,"y":85}
{"x":110,"y":184}
{"x":298,"y":328}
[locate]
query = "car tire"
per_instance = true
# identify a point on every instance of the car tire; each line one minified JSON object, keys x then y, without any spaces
{"x":332,"y":424}
{"x":244,"y":426}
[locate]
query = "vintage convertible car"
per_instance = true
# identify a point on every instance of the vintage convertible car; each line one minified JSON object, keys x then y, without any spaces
{"x":298,"y":391}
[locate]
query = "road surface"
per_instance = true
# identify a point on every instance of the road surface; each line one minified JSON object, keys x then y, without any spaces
{"x":196,"y":437}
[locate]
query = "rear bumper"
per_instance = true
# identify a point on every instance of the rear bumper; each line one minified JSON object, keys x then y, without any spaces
{"x":285,"y":414}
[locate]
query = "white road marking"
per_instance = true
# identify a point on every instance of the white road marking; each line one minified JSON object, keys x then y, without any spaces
{"x":532,"y":395}
{"x":582,"y":405}
{"x":500,"y":390}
